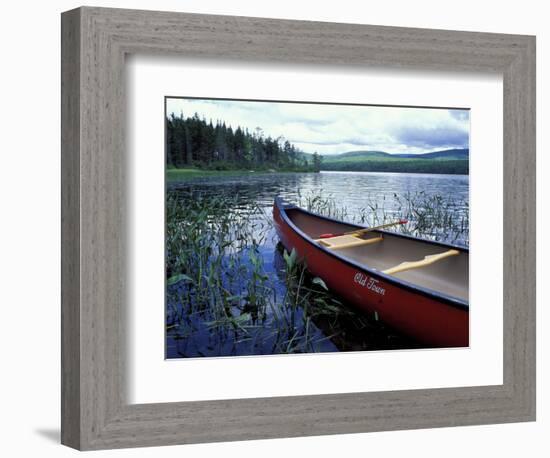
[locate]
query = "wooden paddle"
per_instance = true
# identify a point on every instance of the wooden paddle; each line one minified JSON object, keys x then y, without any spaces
{"x":363,"y":231}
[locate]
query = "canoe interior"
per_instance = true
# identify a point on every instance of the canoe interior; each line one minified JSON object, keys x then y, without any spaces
{"x":449,"y":276}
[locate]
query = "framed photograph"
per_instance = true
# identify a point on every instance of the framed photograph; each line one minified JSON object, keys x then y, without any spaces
{"x":281,"y":228}
{"x":274,"y":218}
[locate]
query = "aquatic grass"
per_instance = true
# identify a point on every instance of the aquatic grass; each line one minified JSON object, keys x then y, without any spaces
{"x":433,"y":217}
{"x":323,"y":205}
{"x":222,"y":298}
{"x":216,"y":280}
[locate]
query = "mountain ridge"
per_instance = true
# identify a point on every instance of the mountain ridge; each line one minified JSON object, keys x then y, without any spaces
{"x":448,"y":154}
{"x":450,"y":161}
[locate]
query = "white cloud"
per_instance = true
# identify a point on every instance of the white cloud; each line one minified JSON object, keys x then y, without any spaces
{"x":331,"y":129}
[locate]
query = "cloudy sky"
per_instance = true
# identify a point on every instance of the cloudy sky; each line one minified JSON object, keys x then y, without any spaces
{"x":332,"y":129}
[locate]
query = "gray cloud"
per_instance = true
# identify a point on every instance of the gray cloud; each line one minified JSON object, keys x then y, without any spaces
{"x":430,"y":138}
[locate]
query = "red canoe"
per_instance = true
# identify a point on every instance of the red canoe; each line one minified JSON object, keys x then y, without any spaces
{"x":417,"y":286}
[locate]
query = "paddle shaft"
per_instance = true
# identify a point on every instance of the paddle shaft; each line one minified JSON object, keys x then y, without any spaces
{"x":382,"y":226}
{"x":363,"y":231}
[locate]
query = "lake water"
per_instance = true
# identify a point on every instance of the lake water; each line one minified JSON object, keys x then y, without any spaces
{"x":435,"y":205}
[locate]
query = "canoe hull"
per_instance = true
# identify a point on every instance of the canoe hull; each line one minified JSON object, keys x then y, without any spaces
{"x":417,"y":314}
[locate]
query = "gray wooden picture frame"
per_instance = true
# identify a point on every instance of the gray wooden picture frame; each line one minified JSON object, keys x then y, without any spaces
{"x":95,"y":412}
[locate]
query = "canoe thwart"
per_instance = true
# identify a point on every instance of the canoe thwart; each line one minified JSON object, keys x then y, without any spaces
{"x":347,"y":241}
{"x":428,"y":260}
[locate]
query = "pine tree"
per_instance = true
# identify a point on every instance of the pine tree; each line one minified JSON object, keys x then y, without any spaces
{"x":317,"y":159}
{"x":196,"y":141}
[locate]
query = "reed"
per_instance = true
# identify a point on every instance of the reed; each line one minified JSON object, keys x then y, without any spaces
{"x":230,"y":292}
{"x":433,"y":217}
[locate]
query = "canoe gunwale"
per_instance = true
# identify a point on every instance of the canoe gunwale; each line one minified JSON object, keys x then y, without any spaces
{"x":447,"y":299}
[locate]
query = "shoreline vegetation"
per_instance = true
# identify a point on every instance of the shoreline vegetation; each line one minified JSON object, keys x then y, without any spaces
{"x":449,"y":167}
{"x":175,"y":175}
{"x":195,"y":147}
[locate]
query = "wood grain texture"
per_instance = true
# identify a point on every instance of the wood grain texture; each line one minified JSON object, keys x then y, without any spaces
{"x":96,"y":413}
{"x":70,"y":229}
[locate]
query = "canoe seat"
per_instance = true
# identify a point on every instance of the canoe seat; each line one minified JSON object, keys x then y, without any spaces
{"x":428,"y":260}
{"x":347,"y":241}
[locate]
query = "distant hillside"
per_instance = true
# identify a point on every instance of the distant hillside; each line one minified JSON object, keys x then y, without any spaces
{"x":360,"y":155}
{"x":452,"y":161}
{"x":449,"y":154}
